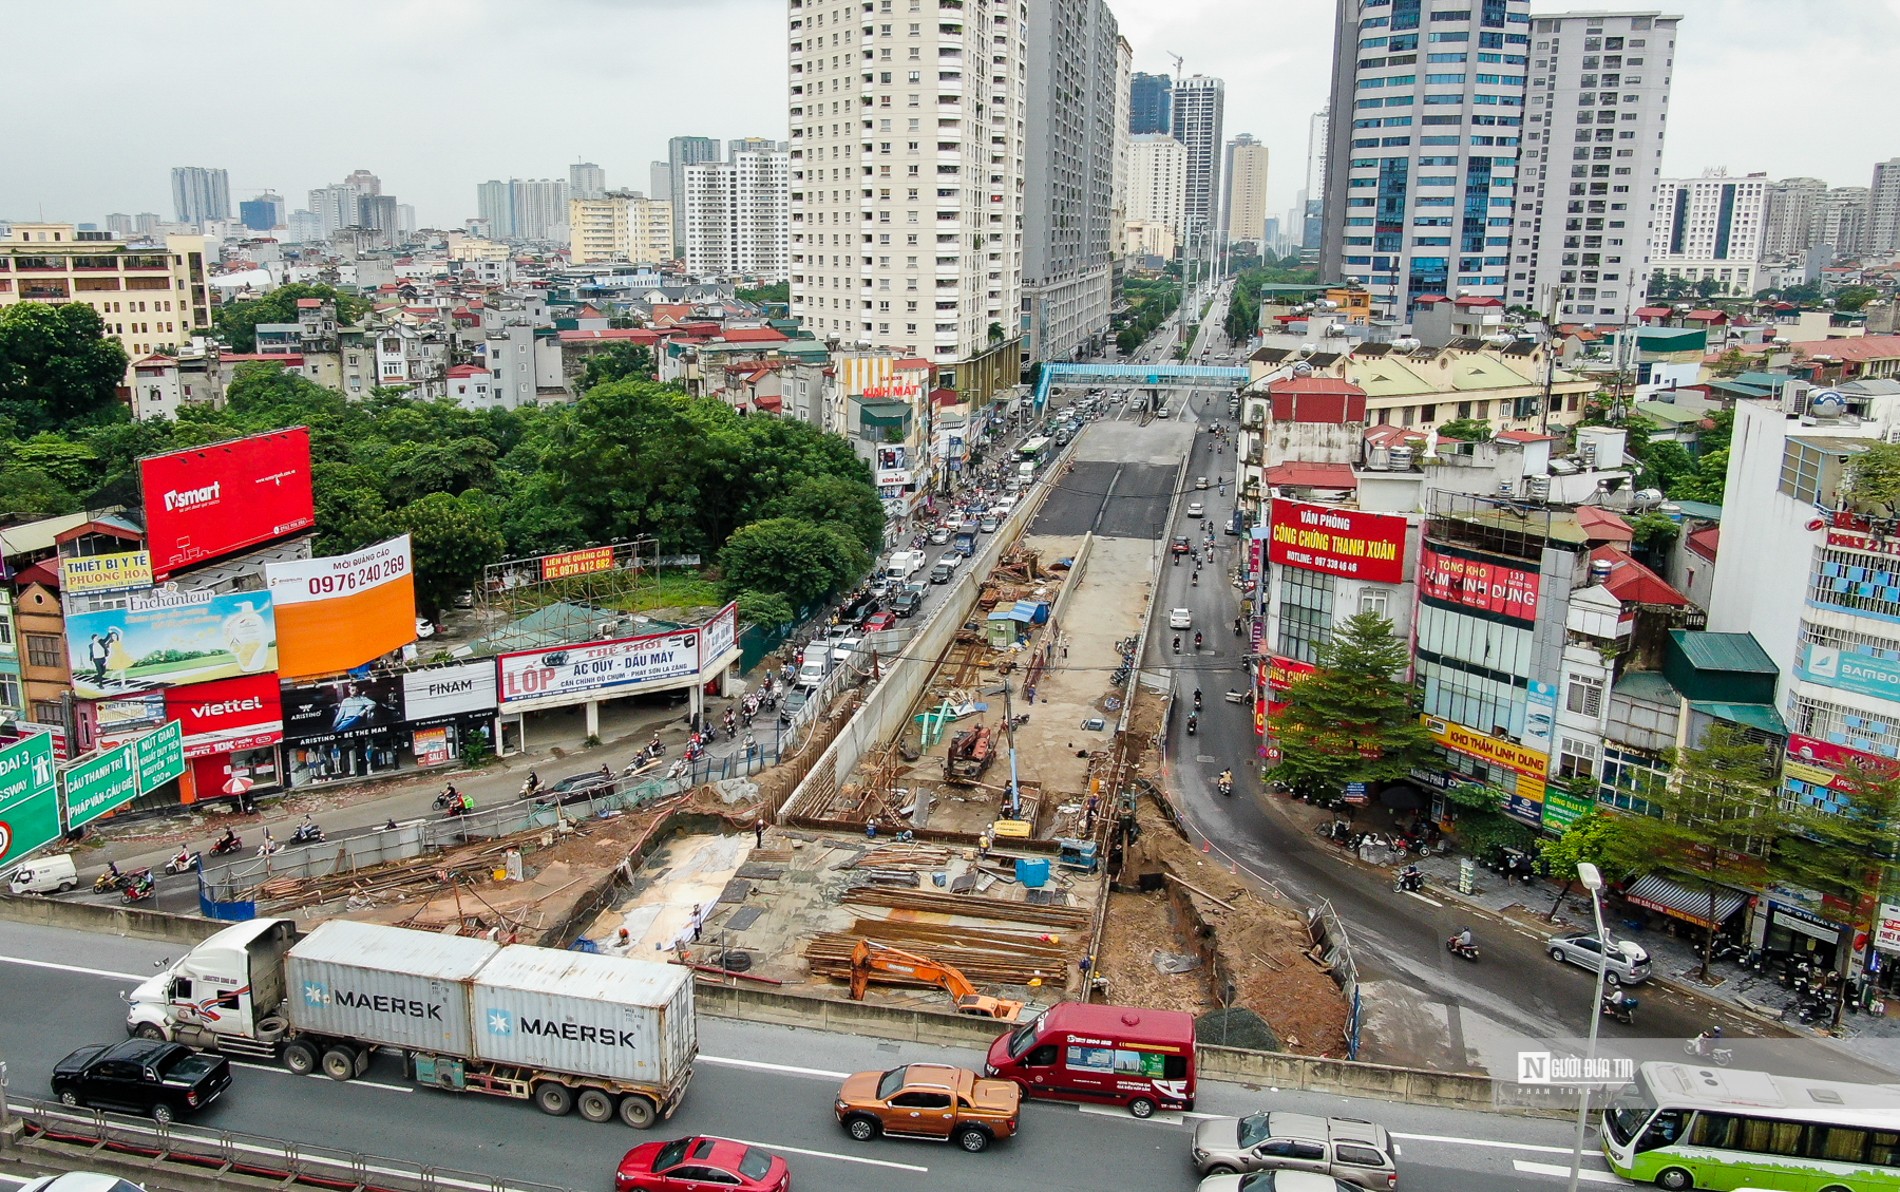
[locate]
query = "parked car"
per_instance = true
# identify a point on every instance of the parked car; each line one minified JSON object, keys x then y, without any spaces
{"x":576,"y":787}
{"x":1180,"y":618}
{"x":1352,"y":1150}
{"x":693,"y":1164}
{"x":424,"y":629}
{"x":878,"y":622}
{"x":906,"y":603}
{"x":1624,"y":964}
{"x":149,"y":1076}
{"x":934,"y":1101}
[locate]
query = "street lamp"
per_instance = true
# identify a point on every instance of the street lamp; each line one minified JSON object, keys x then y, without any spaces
{"x":1592,"y":880}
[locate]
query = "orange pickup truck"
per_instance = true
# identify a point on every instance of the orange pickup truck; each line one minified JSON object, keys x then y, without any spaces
{"x":934,"y":1101}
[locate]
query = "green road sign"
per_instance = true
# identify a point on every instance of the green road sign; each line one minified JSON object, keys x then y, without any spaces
{"x":100,"y":784}
{"x":161,"y":755}
{"x":29,"y":796}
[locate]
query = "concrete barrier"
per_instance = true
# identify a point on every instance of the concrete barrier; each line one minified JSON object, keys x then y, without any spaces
{"x":776,"y":1008}
{"x":132,"y":922}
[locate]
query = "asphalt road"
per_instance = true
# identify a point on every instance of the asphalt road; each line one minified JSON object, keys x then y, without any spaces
{"x":767,"y":1085}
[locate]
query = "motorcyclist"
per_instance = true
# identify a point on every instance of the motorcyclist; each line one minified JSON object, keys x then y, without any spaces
{"x":182,"y":860}
{"x":1226,"y":778}
{"x":1465,"y":941}
{"x":1193,"y":723}
{"x":1410,"y":878}
{"x":1705,"y":1042}
{"x":228,"y":840}
{"x":1197,"y":699}
{"x":1177,"y":643}
{"x":1197,"y":641}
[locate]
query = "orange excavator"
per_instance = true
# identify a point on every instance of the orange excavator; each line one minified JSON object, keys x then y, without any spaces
{"x":869,"y":959}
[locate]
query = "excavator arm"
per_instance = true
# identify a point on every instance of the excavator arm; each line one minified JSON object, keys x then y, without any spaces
{"x":869,"y":958}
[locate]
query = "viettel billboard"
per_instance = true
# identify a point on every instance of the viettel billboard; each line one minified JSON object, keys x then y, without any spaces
{"x":205,"y":502}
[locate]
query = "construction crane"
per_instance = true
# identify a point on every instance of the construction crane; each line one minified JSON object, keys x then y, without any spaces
{"x":868,"y":959}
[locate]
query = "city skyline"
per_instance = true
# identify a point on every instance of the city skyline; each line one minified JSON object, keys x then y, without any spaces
{"x":1273,"y":59}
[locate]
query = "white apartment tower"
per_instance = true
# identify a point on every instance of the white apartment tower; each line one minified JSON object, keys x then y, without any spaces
{"x":1427,"y":116}
{"x":1199,"y":108}
{"x":1246,"y":203}
{"x":738,"y":215}
{"x":1592,"y":152}
{"x":908,"y":125}
{"x":1068,"y":218}
{"x":1788,"y":215}
{"x":1841,"y":220}
{"x":585,"y":180}
{"x":1883,"y":215}
{"x":1709,"y":229}
{"x":1157,"y":194}
{"x":200,"y":194}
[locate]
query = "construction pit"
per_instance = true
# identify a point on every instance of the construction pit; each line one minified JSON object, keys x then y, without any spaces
{"x":1078,"y":884}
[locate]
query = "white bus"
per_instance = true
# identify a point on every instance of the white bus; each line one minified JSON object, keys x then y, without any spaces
{"x":1682,"y":1126}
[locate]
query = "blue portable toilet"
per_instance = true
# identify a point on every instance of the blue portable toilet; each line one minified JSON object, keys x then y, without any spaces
{"x":1032,"y":872}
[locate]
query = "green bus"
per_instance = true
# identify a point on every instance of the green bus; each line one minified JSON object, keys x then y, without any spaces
{"x":1681,"y":1126}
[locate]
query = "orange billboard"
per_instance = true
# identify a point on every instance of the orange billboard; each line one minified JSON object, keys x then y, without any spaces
{"x":343,"y":611}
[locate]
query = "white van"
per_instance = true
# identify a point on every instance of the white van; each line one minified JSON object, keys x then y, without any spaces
{"x":904,"y":564}
{"x":48,"y":875}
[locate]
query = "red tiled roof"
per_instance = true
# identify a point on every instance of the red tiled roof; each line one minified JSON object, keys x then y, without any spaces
{"x":753,"y":335}
{"x":912,"y":364}
{"x":645,"y":335}
{"x":1524,"y":436}
{"x":769,"y":401}
{"x":1706,"y":315}
{"x":1316,"y":385}
{"x":1478,"y":302}
{"x":309,"y":303}
{"x":945,"y":397}
{"x":1860,"y":350}
{"x":1705,"y":542}
{"x":1385,"y":435}
{"x":1300,"y":474}
{"x":466,"y":370}
{"x":1600,"y":525}
{"x":1429,"y":299}
{"x":45,"y":573}
{"x":1651,"y":312}
{"x":1631,"y":582}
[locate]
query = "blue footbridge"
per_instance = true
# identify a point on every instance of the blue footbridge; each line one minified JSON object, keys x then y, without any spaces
{"x":1130,"y":376}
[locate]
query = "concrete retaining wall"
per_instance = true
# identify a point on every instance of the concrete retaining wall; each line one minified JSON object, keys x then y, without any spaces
{"x":132,"y":922}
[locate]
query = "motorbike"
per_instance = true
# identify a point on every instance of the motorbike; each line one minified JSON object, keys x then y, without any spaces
{"x":139,"y":886}
{"x":230,"y":842}
{"x":1462,"y":951}
{"x":1195,"y":582}
{"x":1197,"y":641}
{"x":1703,"y":1047}
{"x":1193,"y":724}
{"x":184,"y":862}
{"x":1177,"y":643}
{"x":109,"y":881}
{"x":1197,"y":701}
{"x":1620,"y":1006}
{"x":1226,"y":785}
{"x":307,"y":833}
{"x":449,"y":797}
{"x":1408,"y":880}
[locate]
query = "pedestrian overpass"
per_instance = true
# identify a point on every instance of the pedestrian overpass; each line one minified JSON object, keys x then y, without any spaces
{"x":1137,"y":376}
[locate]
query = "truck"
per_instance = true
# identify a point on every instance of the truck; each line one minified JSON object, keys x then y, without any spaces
{"x":964,"y":540}
{"x":607,"y":1035}
{"x":904,"y":564}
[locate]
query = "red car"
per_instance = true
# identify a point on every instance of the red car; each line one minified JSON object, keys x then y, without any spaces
{"x":697,"y":1163}
{"x":878,"y":621}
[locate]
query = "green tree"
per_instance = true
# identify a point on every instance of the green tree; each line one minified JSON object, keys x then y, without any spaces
{"x":1351,"y":720}
{"x":1873,"y":477}
{"x":618,"y":361}
{"x":1655,"y":533}
{"x":1708,"y":482}
{"x":1731,"y":363}
{"x":835,"y":501}
{"x":1852,"y":298}
{"x":796,"y":560}
{"x":778,"y":291}
{"x":58,"y":368}
{"x":236,"y":322}
{"x":765,"y":608}
{"x":1715,"y":823}
{"x":1849,"y":853}
{"x":452,"y":538}
{"x":1665,"y":463}
{"x":1593,"y":838}
{"x":1466,"y":430}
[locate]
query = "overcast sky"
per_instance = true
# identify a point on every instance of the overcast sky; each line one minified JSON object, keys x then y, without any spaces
{"x":436,"y":95}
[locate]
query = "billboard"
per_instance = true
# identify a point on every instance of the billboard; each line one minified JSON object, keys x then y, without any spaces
{"x":577,"y":562}
{"x":1529,"y":762}
{"x":550,"y":678}
{"x":341,"y":710}
{"x":89,"y":575}
{"x":169,"y":637}
{"x":119,"y":720}
{"x":29,"y":796}
{"x":1476,"y":584}
{"x":339,"y":612}
{"x":1342,"y":542}
{"x":719,"y":635}
{"x":228,"y":715}
{"x":205,"y":502}
{"x":443,"y":692}
{"x":1849,"y":670}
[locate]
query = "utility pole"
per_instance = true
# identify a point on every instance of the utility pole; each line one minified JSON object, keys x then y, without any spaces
{"x":1550,"y":359}
{"x":1187,"y":228}
{"x":1009,"y":727}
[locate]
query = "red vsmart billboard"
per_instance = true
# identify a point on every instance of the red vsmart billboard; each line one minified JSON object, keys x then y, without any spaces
{"x":205,"y":502}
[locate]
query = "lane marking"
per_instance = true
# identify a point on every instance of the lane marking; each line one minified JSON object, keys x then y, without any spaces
{"x":1587,"y":1175}
{"x":1487,"y":1142}
{"x":762,"y":1066}
{"x":368,"y":1084}
{"x":1422,"y":898}
{"x":1166,"y":1117}
{"x":794,"y":1150}
{"x":74,"y":968}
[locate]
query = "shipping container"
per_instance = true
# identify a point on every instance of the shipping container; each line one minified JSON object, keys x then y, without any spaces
{"x":388,"y":986}
{"x":586,"y":1014}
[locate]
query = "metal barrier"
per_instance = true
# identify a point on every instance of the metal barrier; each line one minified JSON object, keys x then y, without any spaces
{"x":295,"y":1163}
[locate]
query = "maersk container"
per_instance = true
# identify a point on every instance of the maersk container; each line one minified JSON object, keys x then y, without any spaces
{"x":586,"y":1015}
{"x":389,"y":986}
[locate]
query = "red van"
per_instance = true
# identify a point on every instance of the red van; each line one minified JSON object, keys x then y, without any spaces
{"x":1120,"y":1055}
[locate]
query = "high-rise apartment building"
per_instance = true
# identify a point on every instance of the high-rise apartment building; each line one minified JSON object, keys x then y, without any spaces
{"x":1068,"y":209}
{"x":1246,"y":204}
{"x":120,"y":225}
{"x":523,"y":208}
{"x":738,"y":219}
{"x":660,"y":181}
{"x":1118,"y":197}
{"x":1709,"y":229}
{"x":1150,"y":109}
{"x":621,"y":225}
{"x":334,"y":206}
{"x":1157,"y":195}
{"x":1312,"y":201}
{"x":1592,"y":151}
{"x":1788,"y":215}
{"x":493,"y":206}
{"x":680,"y":153}
{"x":1427,"y":112}
{"x":738,"y":145}
{"x":200,"y":194}
{"x":585,"y":180}
{"x":907,"y":140}
{"x":1840,"y":220}
{"x":260,"y":214}
{"x":1883,"y":214}
{"x":363,"y":183}
{"x":1199,"y":103}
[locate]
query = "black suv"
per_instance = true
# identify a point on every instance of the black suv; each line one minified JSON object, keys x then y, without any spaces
{"x":148,"y":1076}
{"x":906,"y":602}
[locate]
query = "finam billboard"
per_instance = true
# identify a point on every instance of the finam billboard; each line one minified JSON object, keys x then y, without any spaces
{"x":205,"y":502}
{"x":1343,"y":542}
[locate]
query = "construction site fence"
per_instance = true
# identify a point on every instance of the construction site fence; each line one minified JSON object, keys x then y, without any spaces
{"x":192,"y":1154}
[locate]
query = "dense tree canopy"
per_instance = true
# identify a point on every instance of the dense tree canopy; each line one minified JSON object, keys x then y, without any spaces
{"x":57,"y":366}
{"x":236,"y":322}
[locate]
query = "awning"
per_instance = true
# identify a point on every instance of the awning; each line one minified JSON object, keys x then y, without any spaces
{"x":1691,"y":906}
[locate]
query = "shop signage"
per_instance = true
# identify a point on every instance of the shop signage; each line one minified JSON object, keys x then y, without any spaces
{"x":444,"y":691}
{"x":228,"y":716}
{"x":577,"y":562}
{"x":1342,"y":542}
{"x":1561,"y":808}
{"x":29,"y":796}
{"x":1475,"y":583}
{"x":551,"y":678}
{"x":719,"y":635}
{"x":89,"y":575}
{"x":338,"y":612}
{"x":1849,"y":670}
{"x":1887,"y":928}
{"x":348,"y":708}
{"x":1855,"y":540}
{"x":1283,"y":673}
{"x":1815,"y":751}
{"x":1532,"y":763}
{"x":431,"y":746}
{"x":1540,"y":715}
